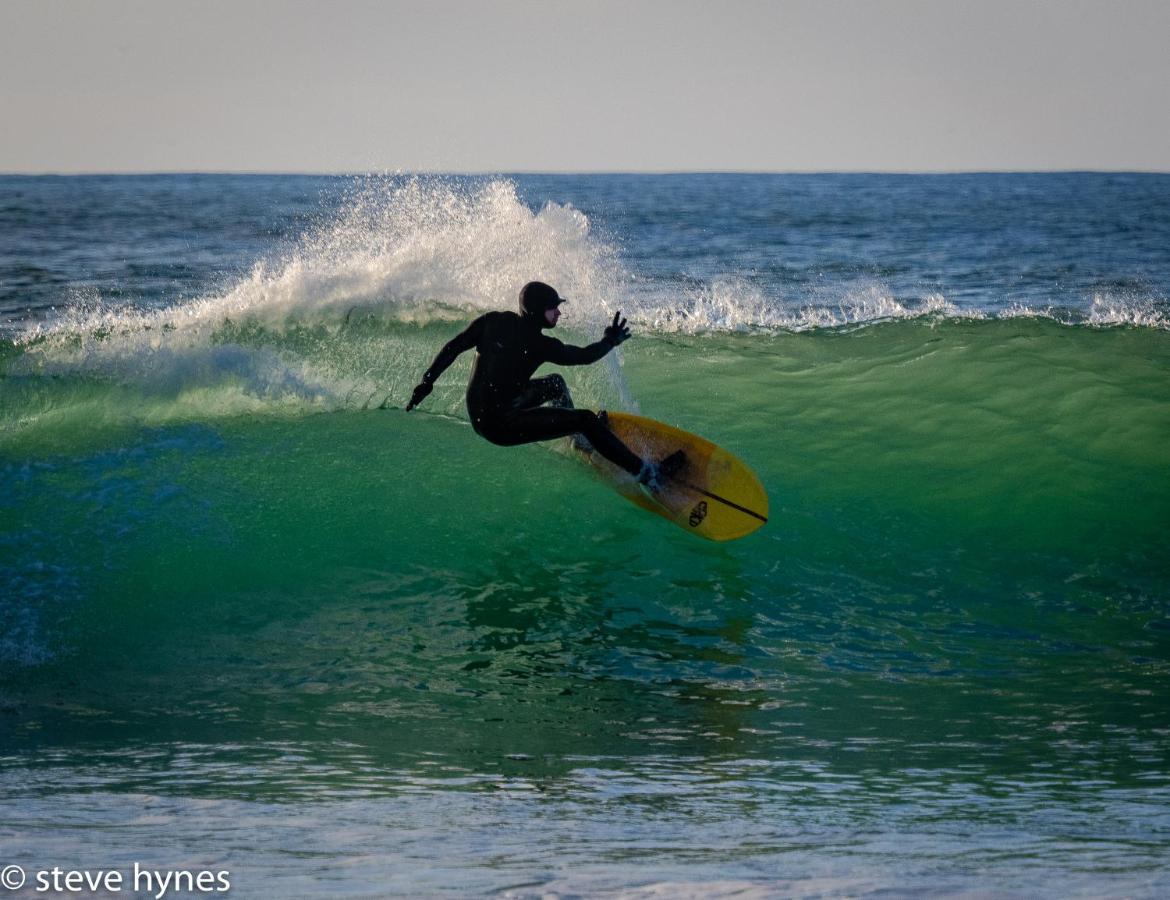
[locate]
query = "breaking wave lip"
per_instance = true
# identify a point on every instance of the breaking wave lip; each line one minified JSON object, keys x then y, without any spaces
{"x":1105,"y":312}
{"x":733,"y":306}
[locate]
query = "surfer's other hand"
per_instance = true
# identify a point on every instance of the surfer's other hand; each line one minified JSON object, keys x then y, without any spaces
{"x":617,"y":332}
{"x":419,"y":395}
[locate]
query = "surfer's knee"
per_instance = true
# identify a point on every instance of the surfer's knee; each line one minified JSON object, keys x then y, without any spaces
{"x":559,"y":391}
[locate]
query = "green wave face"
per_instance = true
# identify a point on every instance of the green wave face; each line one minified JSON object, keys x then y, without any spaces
{"x":966,"y":514}
{"x":236,"y":578}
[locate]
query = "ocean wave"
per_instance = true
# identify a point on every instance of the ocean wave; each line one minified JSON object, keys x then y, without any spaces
{"x":348,"y":316}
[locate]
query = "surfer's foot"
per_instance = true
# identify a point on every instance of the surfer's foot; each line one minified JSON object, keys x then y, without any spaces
{"x":654,"y":476}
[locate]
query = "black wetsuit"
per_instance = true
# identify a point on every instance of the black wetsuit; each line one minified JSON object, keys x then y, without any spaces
{"x":503,"y":399}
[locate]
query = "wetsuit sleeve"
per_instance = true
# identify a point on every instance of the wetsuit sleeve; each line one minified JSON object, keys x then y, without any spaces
{"x":568,"y":355}
{"x":465,"y":340}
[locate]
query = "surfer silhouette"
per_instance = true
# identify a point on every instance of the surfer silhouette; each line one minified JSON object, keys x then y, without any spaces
{"x":509,"y":407}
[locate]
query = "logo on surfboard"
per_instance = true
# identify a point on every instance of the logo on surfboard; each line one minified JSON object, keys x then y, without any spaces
{"x":698,"y":514}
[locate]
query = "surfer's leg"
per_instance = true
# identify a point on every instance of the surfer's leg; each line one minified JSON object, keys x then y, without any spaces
{"x":544,"y":424}
{"x":551,"y":389}
{"x":611,"y":446}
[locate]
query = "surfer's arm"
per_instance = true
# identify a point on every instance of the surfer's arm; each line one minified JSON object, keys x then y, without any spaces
{"x":568,"y":355}
{"x":465,"y":340}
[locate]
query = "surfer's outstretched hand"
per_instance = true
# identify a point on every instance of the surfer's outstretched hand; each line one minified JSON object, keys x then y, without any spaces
{"x":617,"y":332}
{"x":420,"y":394}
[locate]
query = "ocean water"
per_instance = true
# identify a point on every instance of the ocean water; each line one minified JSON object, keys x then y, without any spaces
{"x":256,"y":619}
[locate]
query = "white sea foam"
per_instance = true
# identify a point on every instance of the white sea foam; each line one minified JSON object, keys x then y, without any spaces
{"x":738,"y":306}
{"x":1139,"y":312}
{"x":731,"y":305}
{"x":1104,"y":312}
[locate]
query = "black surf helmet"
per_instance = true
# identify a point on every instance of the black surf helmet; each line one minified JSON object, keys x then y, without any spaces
{"x":536,"y":297}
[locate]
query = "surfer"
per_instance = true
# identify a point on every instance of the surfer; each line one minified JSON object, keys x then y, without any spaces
{"x":509,"y":407}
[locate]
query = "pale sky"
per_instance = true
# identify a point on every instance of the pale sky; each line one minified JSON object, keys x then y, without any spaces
{"x":591,"y":85}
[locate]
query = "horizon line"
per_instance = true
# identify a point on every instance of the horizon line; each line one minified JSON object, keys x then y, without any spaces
{"x":471,"y":173}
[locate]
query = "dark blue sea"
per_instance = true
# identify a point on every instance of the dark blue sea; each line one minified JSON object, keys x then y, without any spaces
{"x":255,"y":619}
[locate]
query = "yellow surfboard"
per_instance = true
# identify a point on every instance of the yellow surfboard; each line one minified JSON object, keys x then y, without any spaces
{"x":715,"y":495}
